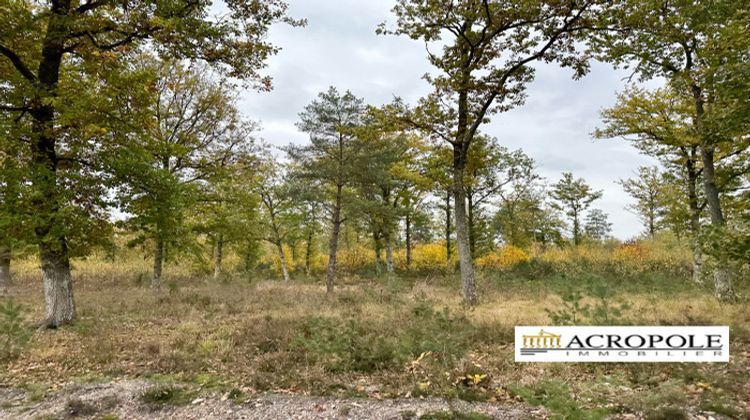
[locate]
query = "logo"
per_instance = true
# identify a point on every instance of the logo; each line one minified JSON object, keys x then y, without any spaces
{"x":622,"y":344}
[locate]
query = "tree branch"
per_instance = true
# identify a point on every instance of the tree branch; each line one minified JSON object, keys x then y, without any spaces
{"x":17,"y":63}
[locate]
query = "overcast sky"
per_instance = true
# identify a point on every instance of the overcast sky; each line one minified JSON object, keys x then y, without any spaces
{"x":339,"y":47}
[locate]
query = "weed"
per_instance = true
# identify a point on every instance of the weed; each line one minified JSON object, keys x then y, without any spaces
{"x":454,"y":415}
{"x":167,"y":394}
{"x":555,"y":396}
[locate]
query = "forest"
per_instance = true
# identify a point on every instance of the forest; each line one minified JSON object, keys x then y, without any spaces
{"x":160,"y":259}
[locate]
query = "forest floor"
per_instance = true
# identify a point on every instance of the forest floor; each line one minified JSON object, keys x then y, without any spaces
{"x":376,"y":348}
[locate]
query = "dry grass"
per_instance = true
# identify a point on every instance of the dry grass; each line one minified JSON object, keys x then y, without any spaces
{"x":366,"y":339}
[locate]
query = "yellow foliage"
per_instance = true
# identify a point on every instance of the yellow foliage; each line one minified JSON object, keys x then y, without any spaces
{"x":354,"y":258}
{"x":504,"y":257}
{"x":626,"y":259}
{"x":426,"y":257}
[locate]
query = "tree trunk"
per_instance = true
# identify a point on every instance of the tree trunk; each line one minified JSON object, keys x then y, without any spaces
{"x":5,"y":257}
{"x":468,"y":286}
{"x":158,"y":264}
{"x":334,"y":242}
{"x":282,"y":259}
{"x":388,"y":253}
{"x":722,"y":276}
{"x":378,"y":254}
{"x":58,"y":286}
{"x":470,"y":221}
{"x":695,"y":216}
{"x":218,"y":255}
{"x":49,"y":227}
{"x":308,"y":252}
{"x":576,"y":229}
{"x":448,"y":227}
{"x":408,"y":241}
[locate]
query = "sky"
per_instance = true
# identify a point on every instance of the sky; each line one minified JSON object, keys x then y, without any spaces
{"x":339,"y":47}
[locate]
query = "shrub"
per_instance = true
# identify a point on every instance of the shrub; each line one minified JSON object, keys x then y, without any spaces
{"x":427,"y":258}
{"x":506,"y":256}
{"x":13,"y":331}
{"x":167,"y":394}
{"x":556,"y":397}
{"x":351,"y":345}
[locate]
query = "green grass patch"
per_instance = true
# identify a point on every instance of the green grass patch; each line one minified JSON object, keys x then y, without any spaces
{"x":555,"y":396}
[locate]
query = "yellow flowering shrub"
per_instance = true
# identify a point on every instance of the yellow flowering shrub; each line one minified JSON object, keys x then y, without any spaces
{"x":625,"y":259}
{"x":425,"y":258}
{"x":271,"y":259}
{"x":355,"y":258}
{"x":504,"y":257}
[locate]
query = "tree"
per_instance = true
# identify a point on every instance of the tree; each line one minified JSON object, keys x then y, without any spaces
{"x":278,"y":207}
{"x":331,"y":121}
{"x":646,"y":189}
{"x":659,"y":124}
{"x":226,"y":211}
{"x":441,"y":186}
{"x":574,"y":197}
{"x":192,"y":134}
{"x":494,"y":172}
{"x":597,"y":225}
{"x":37,"y":39}
{"x":692,"y":45}
{"x":487,"y":47}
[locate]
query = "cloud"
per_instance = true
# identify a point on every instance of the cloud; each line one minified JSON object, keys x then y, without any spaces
{"x":339,"y":47}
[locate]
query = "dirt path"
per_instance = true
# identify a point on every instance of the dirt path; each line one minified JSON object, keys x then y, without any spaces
{"x":123,"y":400}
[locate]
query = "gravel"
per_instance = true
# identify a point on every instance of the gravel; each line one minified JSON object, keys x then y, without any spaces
{"x":122,"y":400}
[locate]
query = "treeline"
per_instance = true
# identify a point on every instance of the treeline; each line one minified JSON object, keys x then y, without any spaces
{"x":122,"y":117}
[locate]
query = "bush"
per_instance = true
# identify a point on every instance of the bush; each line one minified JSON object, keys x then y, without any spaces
{"x":506,"y":256}
{"x":15,"y":334}
{"x":351,"y":345}
{"x":347,"y":345}
{"x":427,"y":258}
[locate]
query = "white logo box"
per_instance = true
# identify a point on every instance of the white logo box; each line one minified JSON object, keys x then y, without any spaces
{"x":621,"y":344}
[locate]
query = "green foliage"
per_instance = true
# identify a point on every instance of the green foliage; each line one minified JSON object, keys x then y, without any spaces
{"x":350,"y":345}
{"x":14,"y":333}
{"x":167,"y":394}
{"x":556,"y":397}
{"x":347,"y":345}
{"x":453,"y":415}
{"x":605,"y":309}
{"x":574,"y":197}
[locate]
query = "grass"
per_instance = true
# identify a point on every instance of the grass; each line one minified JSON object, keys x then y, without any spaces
{"x":409,"y":336}
{"x":168,"y":394}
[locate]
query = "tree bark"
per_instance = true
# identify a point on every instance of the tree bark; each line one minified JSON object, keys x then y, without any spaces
{"x":49,"y":229}
{"x":695,"y":215}
{"x":408,"y":241}
{"x":334,"y":242}
{"x":448,"y":227}
{"x":158,"y":264}
{"x":58,"y":286}
{"x":218,"y":255}
{"x":722,"y":276}
{"x":470,"y":221}
{"x":468,"y":286}
{"x":308,"y":252}
{"x":378,"y":255}
{"x":723,"y":289}
{"x":5,"y":257}
{"x":388,"y":252}
{"x":576,"y":229}
{"x":282,"y":259}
